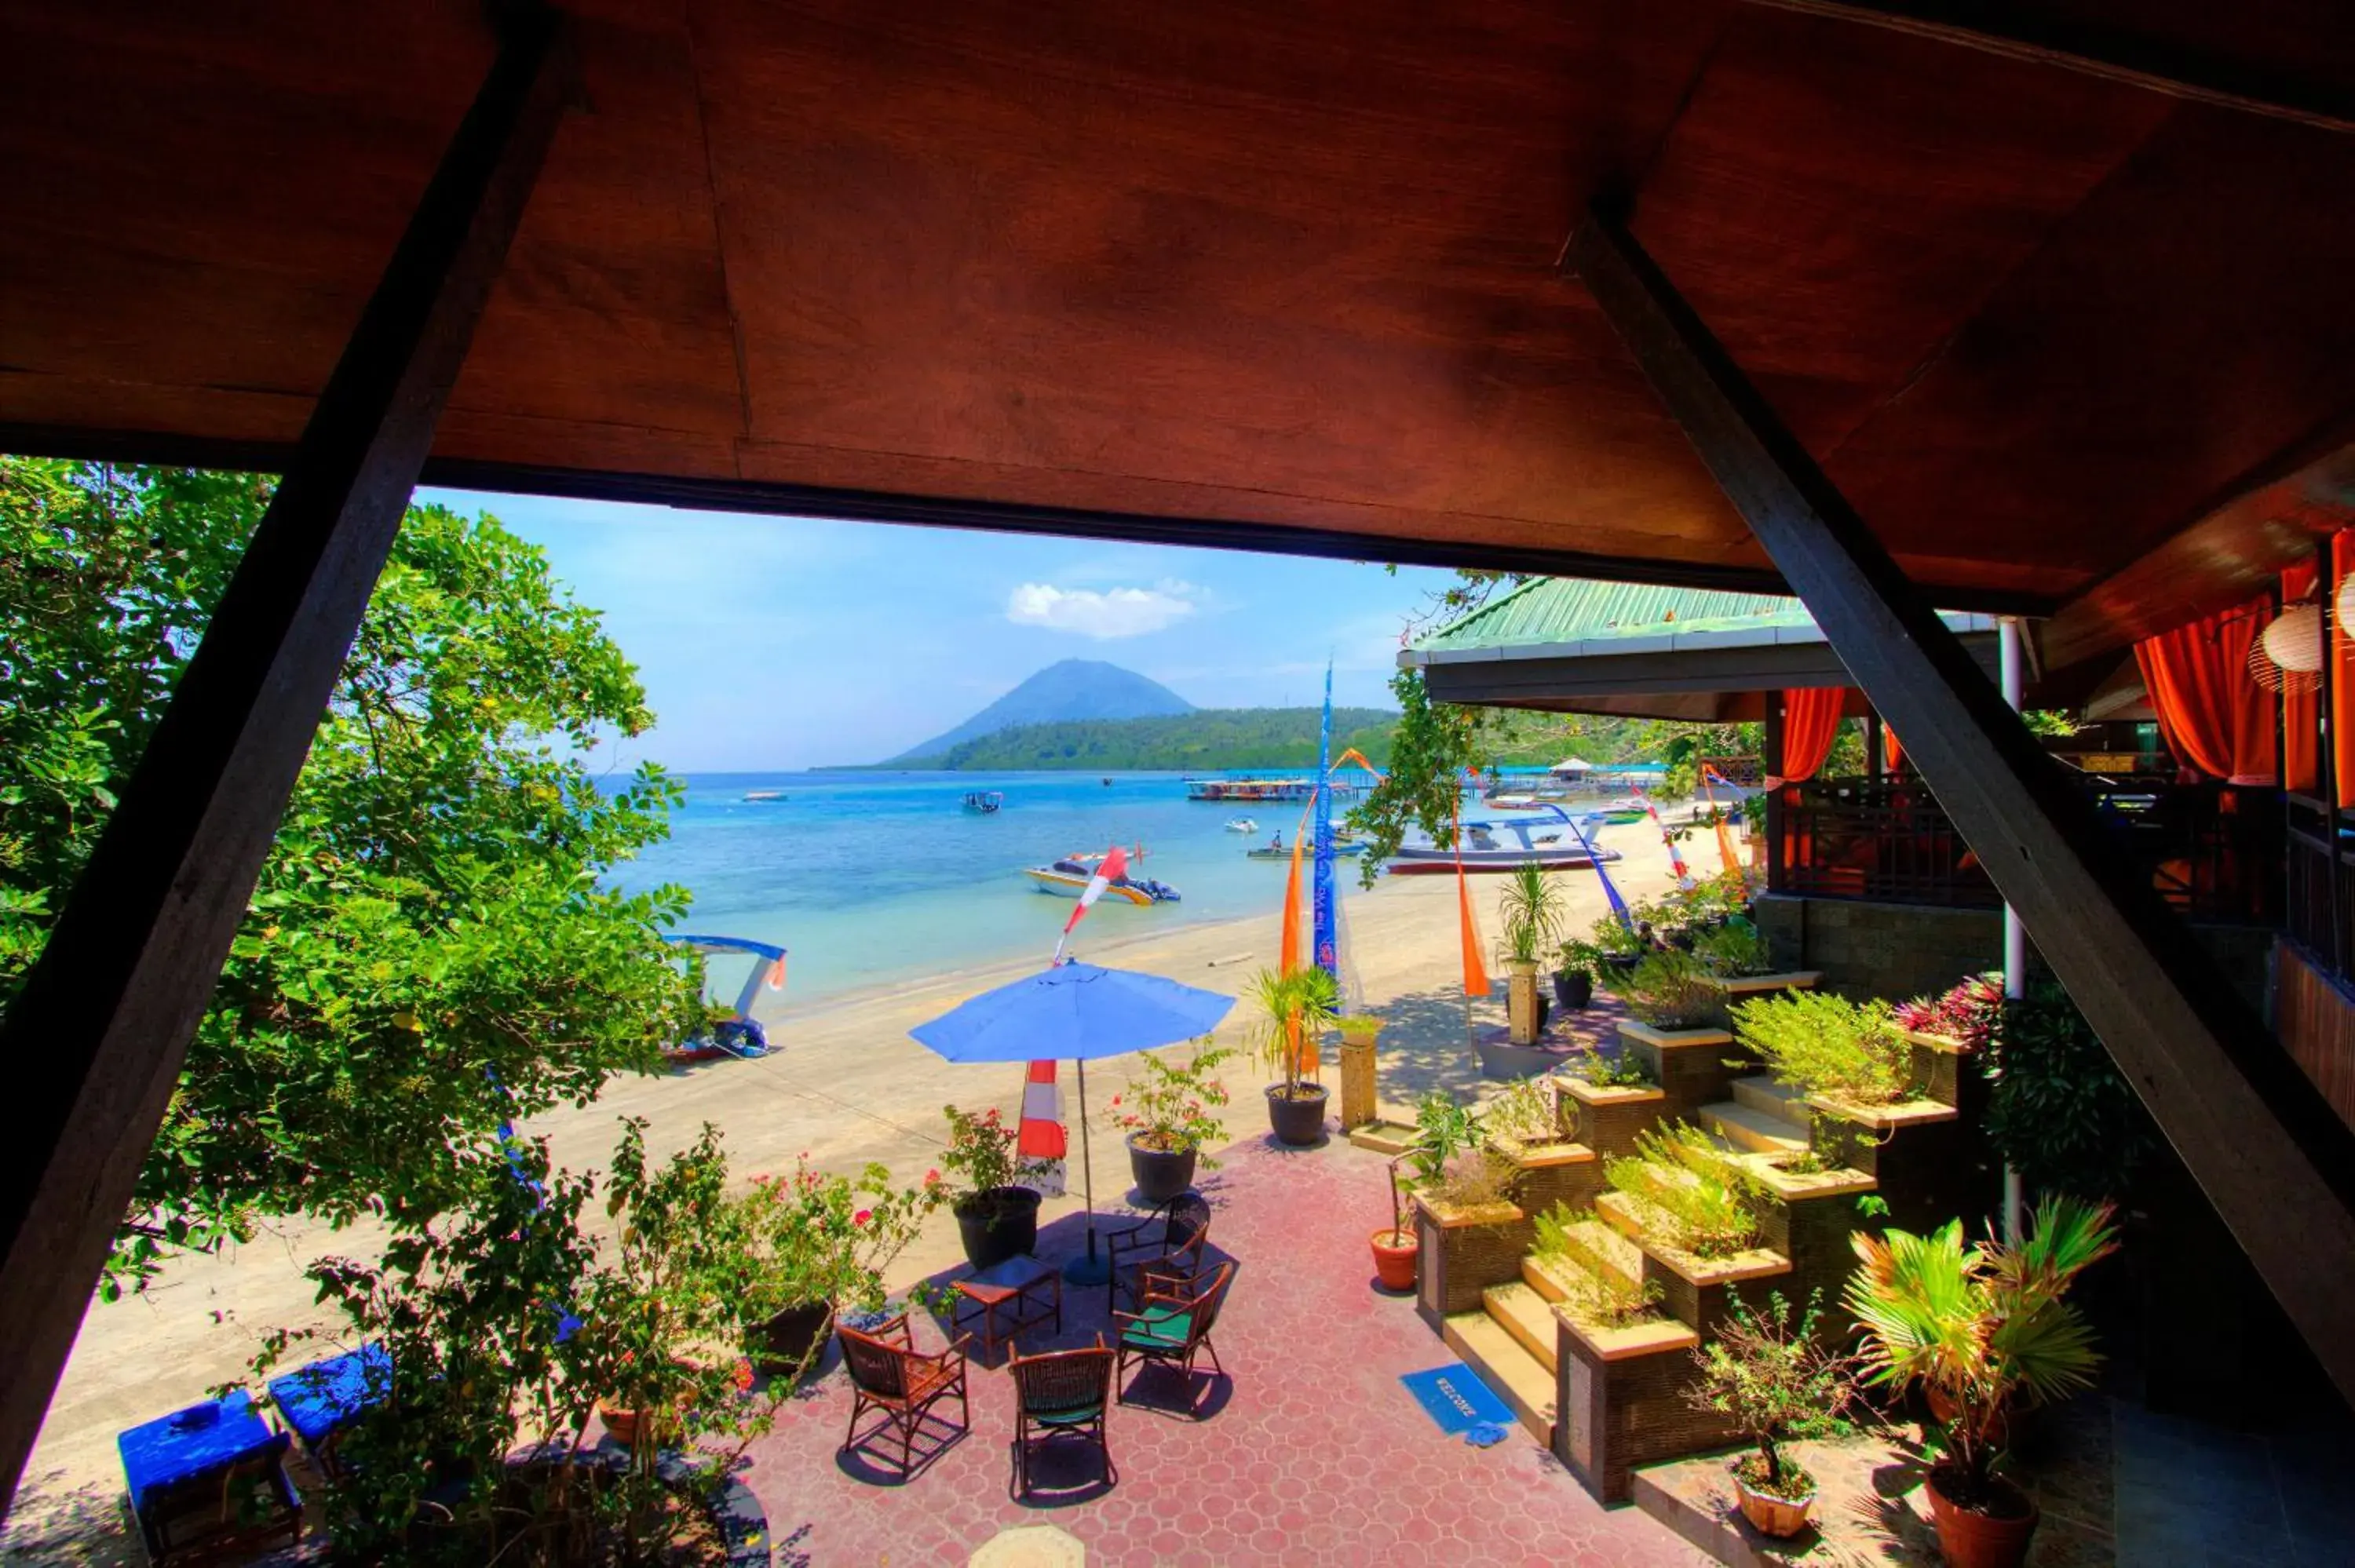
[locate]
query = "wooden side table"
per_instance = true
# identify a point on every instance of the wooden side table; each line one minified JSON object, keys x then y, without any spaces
{"x":1008,"y":1297}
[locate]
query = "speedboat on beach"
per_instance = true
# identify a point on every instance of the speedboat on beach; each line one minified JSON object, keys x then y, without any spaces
{"x":1241,"y":825}
{"x":741,"y":1034}
{"x":1068,"y":877}
{"x":1503,"y":845}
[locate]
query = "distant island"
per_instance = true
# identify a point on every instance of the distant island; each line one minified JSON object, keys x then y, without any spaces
{"x":1071,"y":689}
{"x":1206,"y":739}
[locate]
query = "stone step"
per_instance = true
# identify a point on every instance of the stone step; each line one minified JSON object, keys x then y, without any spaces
{"x":1508,"y":1368}
{"x":1753,"y":1130}
{"x":1525,"y":1315}
{"x":1765,"y":1092}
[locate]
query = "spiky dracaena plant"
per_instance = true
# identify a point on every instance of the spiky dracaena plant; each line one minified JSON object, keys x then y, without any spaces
{"x":1292,"y":1008}
{"x":1533,"y":907}
{"x":1983,"y":1325}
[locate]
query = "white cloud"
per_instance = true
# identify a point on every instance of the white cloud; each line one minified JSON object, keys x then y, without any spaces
{"x":1105,"y":614}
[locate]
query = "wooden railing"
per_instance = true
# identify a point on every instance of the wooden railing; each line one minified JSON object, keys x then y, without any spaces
{"x":2212,"y":851}
{"x":2318,"y":906}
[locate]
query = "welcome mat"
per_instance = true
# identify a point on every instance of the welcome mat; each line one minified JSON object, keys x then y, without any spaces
{"x":1454,"y":1396}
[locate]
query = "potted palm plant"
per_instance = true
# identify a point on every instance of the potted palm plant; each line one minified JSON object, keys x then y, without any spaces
{"x":1773,"y":1382}
{"x":1532,"y":910}
{"x":1982,"y":1328}
{"x":1293,"y":1008}
{"x":1171,"y":1113}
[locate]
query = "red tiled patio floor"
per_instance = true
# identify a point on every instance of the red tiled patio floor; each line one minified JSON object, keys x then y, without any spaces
{"x":1312,"y":1453}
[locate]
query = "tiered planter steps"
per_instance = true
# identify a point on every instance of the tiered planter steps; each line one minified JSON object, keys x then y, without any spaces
{"x":1606,"y":1399}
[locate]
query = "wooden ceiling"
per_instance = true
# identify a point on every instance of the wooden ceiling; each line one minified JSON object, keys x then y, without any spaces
{"x":1266,"y":275}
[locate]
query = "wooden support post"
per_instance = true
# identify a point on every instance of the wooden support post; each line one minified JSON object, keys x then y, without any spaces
{"x":2267,"y":1150}
{"x":108,"y":1011}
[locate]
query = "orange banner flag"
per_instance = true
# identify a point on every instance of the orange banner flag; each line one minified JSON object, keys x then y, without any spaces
{"x":1476,"y":967}
{"x":1288,"y":953}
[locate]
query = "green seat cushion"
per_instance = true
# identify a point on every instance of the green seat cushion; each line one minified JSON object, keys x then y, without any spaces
{"x":1066,"y":1417}
{"x":1161,"y":1327}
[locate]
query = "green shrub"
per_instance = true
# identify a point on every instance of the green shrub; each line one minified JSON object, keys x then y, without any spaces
{"x":1829,"y":1047}
{"x":2060,"y":1112}
{"x":1671,"y":991}
{"x":1523,"y":1114}
{"x":1732,"y":949}
{"x":1702,"y":1198}
{"x":1593,"y":1293}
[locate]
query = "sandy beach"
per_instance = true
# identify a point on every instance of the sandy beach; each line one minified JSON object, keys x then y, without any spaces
{"x":848,"y":1086}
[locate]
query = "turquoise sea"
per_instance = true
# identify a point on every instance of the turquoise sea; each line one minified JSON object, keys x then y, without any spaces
{"x":868,"y":876}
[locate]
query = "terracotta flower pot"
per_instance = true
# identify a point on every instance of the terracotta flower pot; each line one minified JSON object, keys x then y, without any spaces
{"x":1968,"y":1538}
{"x":1394,"y":1258}
{"x":1781,"y":1518}
{"x":1161,"y":1173}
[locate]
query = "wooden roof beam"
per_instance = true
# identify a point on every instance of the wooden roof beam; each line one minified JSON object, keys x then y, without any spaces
{"x":116,"y":995}
{"x":2265,"y":1147}
{"x":2155,"y":65}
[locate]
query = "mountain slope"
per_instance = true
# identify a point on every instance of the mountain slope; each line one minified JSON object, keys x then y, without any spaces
{"x":1074,"y":689}
{"x":1206,"y":739}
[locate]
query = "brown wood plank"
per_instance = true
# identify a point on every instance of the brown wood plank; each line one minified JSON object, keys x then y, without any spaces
{"x":2317,"y":1026}
{"x":2265,"y":1147}
{"x":118,"y":990}
{"x":2120,"y":49}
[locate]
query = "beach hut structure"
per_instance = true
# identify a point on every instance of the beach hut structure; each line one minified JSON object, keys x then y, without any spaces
{"x":2043,"y":312}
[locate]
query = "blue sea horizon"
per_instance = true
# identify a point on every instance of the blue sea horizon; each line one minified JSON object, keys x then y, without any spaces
{"x":871,"y":875}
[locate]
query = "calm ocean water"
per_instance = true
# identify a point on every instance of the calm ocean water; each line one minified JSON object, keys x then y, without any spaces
{"x":867,"y":877}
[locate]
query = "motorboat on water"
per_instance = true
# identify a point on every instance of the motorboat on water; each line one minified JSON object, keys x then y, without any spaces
{"x":1555,"y":842}
{"x":1284,"y":851}
{"x":988,"y":802}
{"x":741,"y":1034}
{"x":1069,"y":876}
{"x":1625,"y":810}
{"x":765,"y":794}
{"x":1241,"y":825}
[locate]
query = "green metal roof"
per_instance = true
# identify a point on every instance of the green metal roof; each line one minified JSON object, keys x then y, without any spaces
{"x":1573,"y":609}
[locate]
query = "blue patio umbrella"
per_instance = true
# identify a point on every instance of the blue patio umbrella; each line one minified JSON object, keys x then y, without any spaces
{"x":1076,"y":1011}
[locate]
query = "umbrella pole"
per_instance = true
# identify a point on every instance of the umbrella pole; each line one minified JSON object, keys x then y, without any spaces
{"x":1087,"y":1270}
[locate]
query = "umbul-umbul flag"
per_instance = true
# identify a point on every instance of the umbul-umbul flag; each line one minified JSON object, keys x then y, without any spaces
{"x":1114,"y":867}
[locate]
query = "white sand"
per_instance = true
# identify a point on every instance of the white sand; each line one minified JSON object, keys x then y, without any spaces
{"x":846,"y":1083}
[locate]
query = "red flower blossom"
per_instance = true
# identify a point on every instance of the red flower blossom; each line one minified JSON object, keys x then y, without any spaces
{"x":932,"y":1178}
{"x":743,"y":1375}
{"x":861,"y":1217}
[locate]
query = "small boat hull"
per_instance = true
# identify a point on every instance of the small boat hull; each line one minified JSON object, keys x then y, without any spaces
{"x":1263,"y":853}
{"x":1434,"y":861}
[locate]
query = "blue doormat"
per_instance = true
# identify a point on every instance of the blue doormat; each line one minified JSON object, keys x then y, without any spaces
{"x":1454,"y":1396}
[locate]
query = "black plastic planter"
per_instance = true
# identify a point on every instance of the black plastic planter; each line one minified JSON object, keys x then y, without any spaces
{"x":997,"y":1225}
{"x":1299,"y":1121}
{"x":1161,"y":1173}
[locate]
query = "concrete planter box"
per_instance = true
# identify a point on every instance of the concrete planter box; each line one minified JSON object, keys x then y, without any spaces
{"x":1693,"y":1289}
{"x":1546,"y":1174}
{"x":1942,"y":1070}
{"x":1920,"y":1153}
{"x":1609,"y":1117}
{"x":1743,"y":988}
{"x":1619,"y":1401}
{"x":1358,"y":1105}
{"x":1463,"y":1252}
{"x":1690,"y":1065}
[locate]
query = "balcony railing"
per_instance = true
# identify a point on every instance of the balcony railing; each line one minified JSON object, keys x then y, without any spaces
{"x":2212,"y":851}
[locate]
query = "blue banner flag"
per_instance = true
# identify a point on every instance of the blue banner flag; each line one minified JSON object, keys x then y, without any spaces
{"x":1325,"y":944}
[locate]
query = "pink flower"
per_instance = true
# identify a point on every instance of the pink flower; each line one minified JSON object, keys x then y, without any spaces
{"x":861,"y":1217}
{"x":1115,"y":1100}
{"x":932,"y":1178}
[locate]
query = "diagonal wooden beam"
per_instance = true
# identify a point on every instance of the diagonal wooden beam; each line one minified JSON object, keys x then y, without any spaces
{"x":109,"y":1008}
{"x":2092,"y":48}
{"x":2271,"y":1155}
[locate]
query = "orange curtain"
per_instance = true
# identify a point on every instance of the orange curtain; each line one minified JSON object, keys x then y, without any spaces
{"x":2301,"y":711}
{"x":1811,"y":721}
{"x":2342,"y":676}
{"x":1892,"y":751}
{"x":2216,"y":718}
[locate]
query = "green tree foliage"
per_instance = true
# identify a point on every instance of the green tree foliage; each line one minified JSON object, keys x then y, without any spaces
{"x":429,"y":951}
{"x":1207,"y":738}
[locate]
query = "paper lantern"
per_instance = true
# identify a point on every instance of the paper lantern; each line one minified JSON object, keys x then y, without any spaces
{"x":2288,"y":656}
{"x":2346,"y":606}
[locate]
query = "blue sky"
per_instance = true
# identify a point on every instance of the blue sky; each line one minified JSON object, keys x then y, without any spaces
{"x":773,"y":643}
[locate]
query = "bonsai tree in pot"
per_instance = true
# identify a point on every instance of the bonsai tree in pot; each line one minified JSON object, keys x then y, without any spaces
{"x":1773,"y":1382}
{"x":1981,"y":1327}
{"x":1171,"y":1115}
{"x":820,"y":1244}
{"x":1293,"y":1008}
{"x":995,"y":1219}
{"x":1532,"y":909}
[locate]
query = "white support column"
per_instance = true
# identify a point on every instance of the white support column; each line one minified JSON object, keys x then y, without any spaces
{"x":2014,"y":934}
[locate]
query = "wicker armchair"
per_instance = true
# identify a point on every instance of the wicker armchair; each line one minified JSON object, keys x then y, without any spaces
{"x":1175,"y":1324}
{"x":1168,"y":1240}
{"x":888,"y":1373}
{"x":1062,"y":1392}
